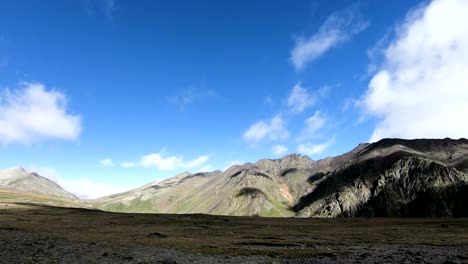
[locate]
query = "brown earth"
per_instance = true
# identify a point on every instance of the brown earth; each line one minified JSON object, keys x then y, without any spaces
{"x":43,"y":234}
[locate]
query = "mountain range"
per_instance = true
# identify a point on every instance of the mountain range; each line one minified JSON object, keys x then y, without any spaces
{"x":392,"y":177}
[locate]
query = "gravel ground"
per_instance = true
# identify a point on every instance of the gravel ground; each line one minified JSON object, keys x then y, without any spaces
{"x":45,"y":234}
{"x":19,"y":246}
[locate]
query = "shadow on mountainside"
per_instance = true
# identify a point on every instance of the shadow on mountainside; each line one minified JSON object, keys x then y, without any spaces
{"x":366,"y":171}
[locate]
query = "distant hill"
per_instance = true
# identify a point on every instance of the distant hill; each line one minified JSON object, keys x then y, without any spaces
{"x":20,"y":180}
{"x":392,"y":177}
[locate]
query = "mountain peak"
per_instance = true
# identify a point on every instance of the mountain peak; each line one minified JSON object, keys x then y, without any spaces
{"x":19,"y":179}
{"x":295,"y":156}
{"x":20,"y":168}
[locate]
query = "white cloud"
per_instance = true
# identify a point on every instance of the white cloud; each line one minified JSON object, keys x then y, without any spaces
{"x":422,"y":88}
{"x":312,"y":125}
{"x":338,"y":28}
{"x":273,"y":130}
{"x":163,"y":162}
{"x":300,"y":99}
{"x":197,"y":162}
{"x":312,"y":149}
{"x":32,"y":113}
{"x":206,"y":168}
{"x":128,"y":164}
{"x":182,"y":101}
{"x":156,"y":160}
{"x":279,"y":150}
{"x":107,"y":163}
{"x":232,"y":163}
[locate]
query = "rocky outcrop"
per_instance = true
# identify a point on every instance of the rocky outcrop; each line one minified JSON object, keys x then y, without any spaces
{"x":390,"y":186}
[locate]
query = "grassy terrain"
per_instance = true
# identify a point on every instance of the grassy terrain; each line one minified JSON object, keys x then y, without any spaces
{"x":278,"y":237}
{"x":10,"y":196}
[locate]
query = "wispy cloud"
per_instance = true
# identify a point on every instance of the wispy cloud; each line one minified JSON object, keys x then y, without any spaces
{"x":128,"y":164}
{"x":279,"y":150}
{"x":232,"y":163}
{"x":182,"y":101}
{"x":206,"y":168}
{"x":109,"y":7}
{"x":349,"y":103}
{"x":313,"y":149}
{"x":32,"y":113}
{"x":197,"y":162}
{"x":300,"y":99}
{"x":106,"y":7}
{"x":107,"y":162}
{"x":312,"y":125}
{"x":339,"y":27}
{"x":271,"y":130}
{"x":420,"y":89}
{"x":163,"y":162}
{"x":189,"y":97}
{"x":157,"y":160}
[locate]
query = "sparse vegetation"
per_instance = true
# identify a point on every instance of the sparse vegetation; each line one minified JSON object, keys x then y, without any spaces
{"x":40,"y":232}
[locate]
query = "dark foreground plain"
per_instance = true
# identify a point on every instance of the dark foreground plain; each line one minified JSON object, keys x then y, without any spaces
{"x":41,"y":234}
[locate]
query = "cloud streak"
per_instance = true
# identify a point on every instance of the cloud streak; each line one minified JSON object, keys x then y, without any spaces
{"x":279,"y":150}
{"x":313,"y":149}
{"x":107,"y":163}
{"x":190,"y":97}
{"x":312,"y":125}
{"x":338,"y":28}
{"x":163,"y":162}
{"x":128,"y":164}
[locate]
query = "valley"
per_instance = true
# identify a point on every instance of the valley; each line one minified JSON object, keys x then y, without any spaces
{"x":396,"y":201}
{"x":389,"y":178}
{"x":44,"y":234}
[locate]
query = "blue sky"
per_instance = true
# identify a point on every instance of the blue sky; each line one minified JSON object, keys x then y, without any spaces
{"x":107,"y":95}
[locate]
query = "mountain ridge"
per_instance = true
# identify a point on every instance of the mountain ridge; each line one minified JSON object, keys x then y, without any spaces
{"x":391,"y":177}
{"x":18,"y":179}
{"x":279,"y":187}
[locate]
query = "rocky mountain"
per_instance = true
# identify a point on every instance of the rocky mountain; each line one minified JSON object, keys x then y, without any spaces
{"x":392,"y":177}
{"x":19,"y":180}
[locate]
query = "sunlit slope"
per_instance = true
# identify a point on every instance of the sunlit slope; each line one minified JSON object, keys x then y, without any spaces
{"x":11,"y":198}
{"x":18,"y":179}
{"x":266,"y":188}
{"x":392,"y":177}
